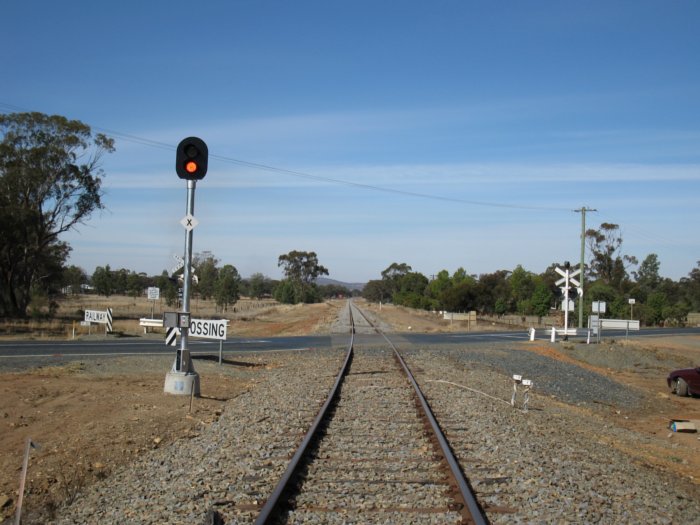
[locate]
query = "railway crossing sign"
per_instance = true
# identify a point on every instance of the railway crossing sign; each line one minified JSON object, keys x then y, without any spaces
{"x":100,"y":317}
{"x":570,"y":276}
{"x":567,"y":279}
{"x":179,"y":264}
{"x":199,"y":328}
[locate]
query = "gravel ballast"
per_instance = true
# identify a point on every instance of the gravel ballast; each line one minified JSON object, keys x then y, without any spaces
{"x":555,"y":463}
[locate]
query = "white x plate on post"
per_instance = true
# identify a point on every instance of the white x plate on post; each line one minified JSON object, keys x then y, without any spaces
{"x":189,"y":222}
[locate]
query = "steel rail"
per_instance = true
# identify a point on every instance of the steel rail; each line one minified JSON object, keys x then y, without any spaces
{"x":274,"y":500}
{"x":475,"y":512}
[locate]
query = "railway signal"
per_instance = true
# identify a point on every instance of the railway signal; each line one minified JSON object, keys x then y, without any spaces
{"x":191,"y":159}
{"x":190,"y":164}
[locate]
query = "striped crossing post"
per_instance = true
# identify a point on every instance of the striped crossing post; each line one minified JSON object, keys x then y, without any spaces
{"x":171,"y":336}
{"x":109,"y":319}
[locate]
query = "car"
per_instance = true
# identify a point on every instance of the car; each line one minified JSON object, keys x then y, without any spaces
{"x":685,"y":382}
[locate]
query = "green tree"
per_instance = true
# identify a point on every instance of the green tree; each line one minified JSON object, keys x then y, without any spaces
{"x":493,"y":292}
{"x":285,"y":292}
{"x":542,"y":298}
{"x":135,"y":284}
{"x":655,"y":304}
{"x":690,"y":288}
{"x":301,"y":270}
{"x":207,"y":274}
{"x":120,"y":281}
{"x":461,"y":297}
{"x":393,"y":274}
{"x":438,"y":287}
{"x":168,"y":288}
{"x":226,"y":291}
{"x":74,"y":278}
{"x":607,"y":261}
{"x":50,"y":180}
{"x":334,"y":291}
{"x":259,"y":286}
{"x":103,"y":280}
{"x":411,"y":291}
{"x":377,"y":291}
{"x":522,"y":286}
{"x":647,"y":278}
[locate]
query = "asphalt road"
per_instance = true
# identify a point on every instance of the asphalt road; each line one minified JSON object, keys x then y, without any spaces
{"x":17,"y":355}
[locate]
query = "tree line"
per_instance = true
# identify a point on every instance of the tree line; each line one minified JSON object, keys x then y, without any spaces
{"x":610,"y":276}
{"x":221,"y":283}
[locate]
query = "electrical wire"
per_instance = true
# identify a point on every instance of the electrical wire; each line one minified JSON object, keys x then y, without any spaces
{"x":303,"y":175}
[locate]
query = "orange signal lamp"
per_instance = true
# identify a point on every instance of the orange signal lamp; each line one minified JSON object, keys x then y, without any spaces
{"x":191,"y":166}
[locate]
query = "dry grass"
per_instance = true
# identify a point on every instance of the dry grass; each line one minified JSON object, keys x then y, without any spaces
{"x":126,"y":311}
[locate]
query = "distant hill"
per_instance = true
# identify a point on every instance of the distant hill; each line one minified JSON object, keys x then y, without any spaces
{"x":350,"y":286}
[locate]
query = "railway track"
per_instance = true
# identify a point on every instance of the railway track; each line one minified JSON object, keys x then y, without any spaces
{"x":374,"y":453}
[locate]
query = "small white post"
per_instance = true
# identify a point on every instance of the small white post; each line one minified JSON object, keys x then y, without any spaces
{"x":554,"y":334}
{"x":528,"y":386}
{"x":516,"y":379}
{"x":532,"y":334}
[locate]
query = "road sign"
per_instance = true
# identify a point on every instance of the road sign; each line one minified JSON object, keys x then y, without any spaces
{"x":179,"y":264}
{"x":208,"y":329}
{"x":100,"y":317}
{"x":189,"y":222}
{"x":153,"y":293}
{"x":563,"y":273}
{"x":96,"y":316}
{"x":598,"y":307}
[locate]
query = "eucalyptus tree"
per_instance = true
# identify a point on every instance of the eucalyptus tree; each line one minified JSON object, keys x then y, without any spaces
{"x":50,"y":182}
{"x":301,"y":269}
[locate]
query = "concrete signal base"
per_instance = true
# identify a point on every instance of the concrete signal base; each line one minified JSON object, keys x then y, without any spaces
{"x":182,"y":383}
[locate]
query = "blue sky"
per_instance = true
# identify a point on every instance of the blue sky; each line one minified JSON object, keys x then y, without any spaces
{"x":442,"y":134}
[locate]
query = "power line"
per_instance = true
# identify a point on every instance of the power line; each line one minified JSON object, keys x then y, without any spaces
{"x":303,"y":175}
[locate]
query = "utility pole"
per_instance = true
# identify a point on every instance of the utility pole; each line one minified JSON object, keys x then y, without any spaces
{"x":582,"y":211}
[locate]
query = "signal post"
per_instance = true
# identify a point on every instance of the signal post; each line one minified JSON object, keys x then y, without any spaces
{"x":191,"y":162}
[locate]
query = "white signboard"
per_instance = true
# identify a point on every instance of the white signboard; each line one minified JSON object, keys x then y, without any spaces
{"x":598,"y":307}
{"x":619,"y":324}
{"x":208,"y":329}
{"x":153,"y":293}
{"x":95,"y":316}
{"x":571,"y":306}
